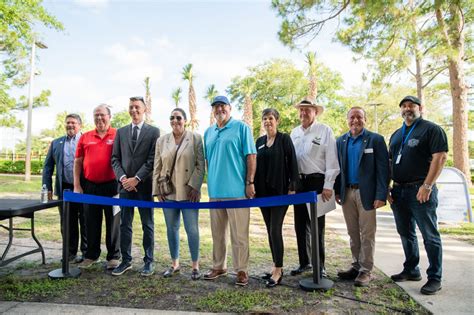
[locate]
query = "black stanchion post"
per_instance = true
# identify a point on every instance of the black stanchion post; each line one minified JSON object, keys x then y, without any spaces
{"x":316,"y":283}
{"x":65,"y":271}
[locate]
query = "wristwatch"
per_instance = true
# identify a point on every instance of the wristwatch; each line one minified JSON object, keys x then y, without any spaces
{"x":427,"y":186}
{"x":249,"y":183}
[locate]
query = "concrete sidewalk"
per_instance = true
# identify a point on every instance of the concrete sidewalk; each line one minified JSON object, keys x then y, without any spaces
{"x":457,"y":294}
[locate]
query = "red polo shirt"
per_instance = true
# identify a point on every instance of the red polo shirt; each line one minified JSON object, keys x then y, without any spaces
{"x":97,"y":153}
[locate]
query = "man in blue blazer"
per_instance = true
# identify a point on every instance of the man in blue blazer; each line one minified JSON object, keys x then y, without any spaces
{"x":361,"y":187}
{"x":61,"y":154}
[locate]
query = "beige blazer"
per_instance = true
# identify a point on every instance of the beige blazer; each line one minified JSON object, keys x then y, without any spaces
{"x":189,"y":168}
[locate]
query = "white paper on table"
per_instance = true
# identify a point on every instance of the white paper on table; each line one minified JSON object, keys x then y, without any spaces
{"x":115,"y":209}
{"x":323,"y":207}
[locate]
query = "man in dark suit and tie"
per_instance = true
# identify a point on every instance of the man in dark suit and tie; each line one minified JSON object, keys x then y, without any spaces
{"x":361,"y":187}
{"x":132,"y":160}
{"x":61,"y":154}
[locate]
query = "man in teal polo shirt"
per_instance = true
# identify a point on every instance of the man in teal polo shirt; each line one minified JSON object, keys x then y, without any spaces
{"x":231,"y":163}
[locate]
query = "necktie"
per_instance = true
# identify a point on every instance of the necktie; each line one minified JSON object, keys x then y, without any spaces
{"x":134,"y":136}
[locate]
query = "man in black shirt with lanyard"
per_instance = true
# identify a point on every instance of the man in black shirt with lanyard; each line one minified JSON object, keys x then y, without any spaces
{"x":418,"y":151}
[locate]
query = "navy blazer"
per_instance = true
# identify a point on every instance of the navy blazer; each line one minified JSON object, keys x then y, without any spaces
{"x":373,"y":168}
{"x":54,"y":157}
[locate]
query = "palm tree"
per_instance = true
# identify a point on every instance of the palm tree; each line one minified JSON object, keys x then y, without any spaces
{"x":147,"y":101}
{"x":312,"y":73}
{"x":189,"y":76}
{"x":247,"y":87}
{"x":211,"y":92}
{"x":176,"y":96}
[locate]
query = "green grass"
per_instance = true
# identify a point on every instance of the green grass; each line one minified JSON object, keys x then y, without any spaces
{"x":463,"y":232}
{"x":17,"y":184}
{"x":19,"y":288}
{"x":235,"y":301}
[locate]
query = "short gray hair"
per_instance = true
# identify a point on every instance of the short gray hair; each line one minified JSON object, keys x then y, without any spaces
{"x":74,"y":116}
{"x":271,"y":111}
{"x":103,"y":105}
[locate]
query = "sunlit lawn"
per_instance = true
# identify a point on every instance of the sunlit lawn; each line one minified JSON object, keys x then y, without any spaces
{"x":17,"y":184}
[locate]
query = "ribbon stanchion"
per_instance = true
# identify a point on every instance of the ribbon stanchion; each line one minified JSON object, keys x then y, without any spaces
{"x":65,"y":271}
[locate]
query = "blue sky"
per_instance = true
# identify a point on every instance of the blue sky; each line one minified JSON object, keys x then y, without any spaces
{"x":109,"y":47}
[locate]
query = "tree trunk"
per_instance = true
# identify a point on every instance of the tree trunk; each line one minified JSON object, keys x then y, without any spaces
{"x":248,"y":116}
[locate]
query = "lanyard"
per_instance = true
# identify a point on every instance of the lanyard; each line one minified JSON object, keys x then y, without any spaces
{"x":408,"y":135}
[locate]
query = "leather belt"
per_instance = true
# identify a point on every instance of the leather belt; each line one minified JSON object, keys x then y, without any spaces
{"x":353,"y":186}
{"x":313,"y":175}
{"x":409,"y":184}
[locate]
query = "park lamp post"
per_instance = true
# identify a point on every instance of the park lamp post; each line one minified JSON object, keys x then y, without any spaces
{"x":376,"y":121}
{"x":30,"y":108}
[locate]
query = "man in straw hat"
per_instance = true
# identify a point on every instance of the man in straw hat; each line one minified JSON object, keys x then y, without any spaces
{"x":316,"y":154}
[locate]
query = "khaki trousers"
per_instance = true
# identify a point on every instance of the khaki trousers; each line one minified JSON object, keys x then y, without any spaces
{"x":238,"y":220}
{"x":361,"y":226}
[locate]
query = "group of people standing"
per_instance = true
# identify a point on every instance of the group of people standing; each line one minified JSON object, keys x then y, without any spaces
{"x":355,"y":169}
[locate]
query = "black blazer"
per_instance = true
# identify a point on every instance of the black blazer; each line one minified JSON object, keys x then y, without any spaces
{"x":373,"y":168}
{"x":284,"y":168}
{"x":135,"y":162}
{"x":54,"y":158}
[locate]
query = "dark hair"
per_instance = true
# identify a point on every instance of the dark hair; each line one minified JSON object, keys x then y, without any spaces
{"x":358,"y":108}
{"x":138,"y":98}
{"x":74,"y":116}
{"x":181,"y":111}
{"x":271,"y":111}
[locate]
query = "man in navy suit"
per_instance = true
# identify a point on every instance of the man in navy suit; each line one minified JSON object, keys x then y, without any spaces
{"x":132,"y":161}
{"x":61,"y":154}
{"x":361,"y":187}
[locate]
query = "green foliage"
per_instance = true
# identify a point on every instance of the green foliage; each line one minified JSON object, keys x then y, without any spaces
{"x":234,"y":301}
{"x":18,"y":18}
{"x":14,"y":288}
{"x":120,"y":119}
{"x":279,"y":84}
{"x":176,"y":96}
{"x":211,"y":92}
{"x":18,"y":167}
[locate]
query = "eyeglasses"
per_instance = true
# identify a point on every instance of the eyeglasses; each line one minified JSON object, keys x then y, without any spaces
{"x":137,"y":98}
{"x":178,"y":118}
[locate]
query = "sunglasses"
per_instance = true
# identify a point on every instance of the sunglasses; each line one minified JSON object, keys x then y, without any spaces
{"x":137,"y":98}
{"x":178,"y":118}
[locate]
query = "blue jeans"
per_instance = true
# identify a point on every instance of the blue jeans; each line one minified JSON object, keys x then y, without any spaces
{"x":408,"y":213}
{"x":148,"y":227}
{"x":190,"y":218}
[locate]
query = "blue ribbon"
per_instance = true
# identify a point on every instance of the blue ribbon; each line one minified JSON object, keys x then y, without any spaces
{"x":282,"y":200}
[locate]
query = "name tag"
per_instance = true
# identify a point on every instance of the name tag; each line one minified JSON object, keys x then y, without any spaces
{"x":261,"y":147}
{"x":369,"y":150}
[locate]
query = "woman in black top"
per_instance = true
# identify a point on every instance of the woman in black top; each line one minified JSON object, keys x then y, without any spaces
{"x":277,"y":174}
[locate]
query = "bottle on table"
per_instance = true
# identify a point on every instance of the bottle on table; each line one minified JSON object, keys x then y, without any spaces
{"x":44,"y":194}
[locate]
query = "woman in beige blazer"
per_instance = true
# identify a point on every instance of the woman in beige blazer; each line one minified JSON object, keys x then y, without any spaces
{"x":187,"y":179}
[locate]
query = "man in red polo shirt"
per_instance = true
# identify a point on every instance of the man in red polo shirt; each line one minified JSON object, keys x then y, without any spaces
{"x":93,"y":174}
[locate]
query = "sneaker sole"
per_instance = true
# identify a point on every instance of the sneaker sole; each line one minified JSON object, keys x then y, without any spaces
{"x":121,"y":273}
{"x":147,"y":274}
{"x":430,"y":292}
{"x":220,"y":275}
{"x":242,"y":284}
{"x":407,"y":279}
{"x":88,"y":266}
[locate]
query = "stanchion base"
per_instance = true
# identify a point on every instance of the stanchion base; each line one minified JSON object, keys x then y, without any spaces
{"x":308,"y":284}
{"x":58,"y":273}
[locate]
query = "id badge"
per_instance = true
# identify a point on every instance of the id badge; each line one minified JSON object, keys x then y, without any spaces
{"x":399,"y":157}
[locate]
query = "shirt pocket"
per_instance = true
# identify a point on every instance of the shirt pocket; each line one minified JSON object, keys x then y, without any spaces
{"x":317,"y":151}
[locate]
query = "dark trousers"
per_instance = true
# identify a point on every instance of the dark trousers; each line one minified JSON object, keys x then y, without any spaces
{"x":77,"y":225}
{"x":408,"y":213}
{"x":273,"y":217}
{"x":94,"y":214}
{"x":303,"y":223}
{"x":148,"y":227}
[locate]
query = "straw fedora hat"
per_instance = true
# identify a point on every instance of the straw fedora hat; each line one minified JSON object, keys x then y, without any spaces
{"x":308,"y":101}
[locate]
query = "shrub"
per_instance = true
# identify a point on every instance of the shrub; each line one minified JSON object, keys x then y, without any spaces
{"x":18,"y":167}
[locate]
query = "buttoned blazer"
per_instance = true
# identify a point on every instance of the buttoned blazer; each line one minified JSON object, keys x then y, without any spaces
{"x":189,"y":168}
{"x":54,"y":158}
{"x":137,"y":161}
{"x":373,"y":168}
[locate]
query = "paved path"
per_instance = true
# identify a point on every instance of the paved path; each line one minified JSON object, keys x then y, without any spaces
{"x":457,"y":294}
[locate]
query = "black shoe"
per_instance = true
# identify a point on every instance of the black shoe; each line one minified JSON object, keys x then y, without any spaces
{"x":266,"y":275}
{"x":349,"y":274}
{"x":170,"y":272}
{"x":272,"y":283}
{"x":431,"y":287}
{"x":300,"y":270}
{"x":122,"y":268}
{"x":405,"y":276}
{"x":196,"y":275}
{"x":78,"y":259}
{"x":147,"y":270}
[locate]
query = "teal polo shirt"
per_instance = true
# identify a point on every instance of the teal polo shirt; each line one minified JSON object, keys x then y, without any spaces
{"x":226,"y":151}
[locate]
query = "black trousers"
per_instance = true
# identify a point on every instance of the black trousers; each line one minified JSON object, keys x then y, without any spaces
{"x":77,"y":225}
{"x":273,"y":217}
{"x":303,"y":223}
{"x":94,"y":214}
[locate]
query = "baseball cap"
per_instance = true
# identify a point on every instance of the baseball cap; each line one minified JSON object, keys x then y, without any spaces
{"x":220,"y":100}
{"x":413,"y":99}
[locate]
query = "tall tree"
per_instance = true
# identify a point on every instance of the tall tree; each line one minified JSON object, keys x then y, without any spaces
{"x":430,"y":35}
{"x":147,"y":100}
{"x":176,"y":96}
{"x":210,"y":94}
{"x":312,"y":74}
{"x":188,"y":75}
{"x":17,"y":21}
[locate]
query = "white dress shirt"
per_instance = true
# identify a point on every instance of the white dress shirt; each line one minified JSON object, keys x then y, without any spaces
{"x":316,"y":152}
{"x":140,"y":126}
